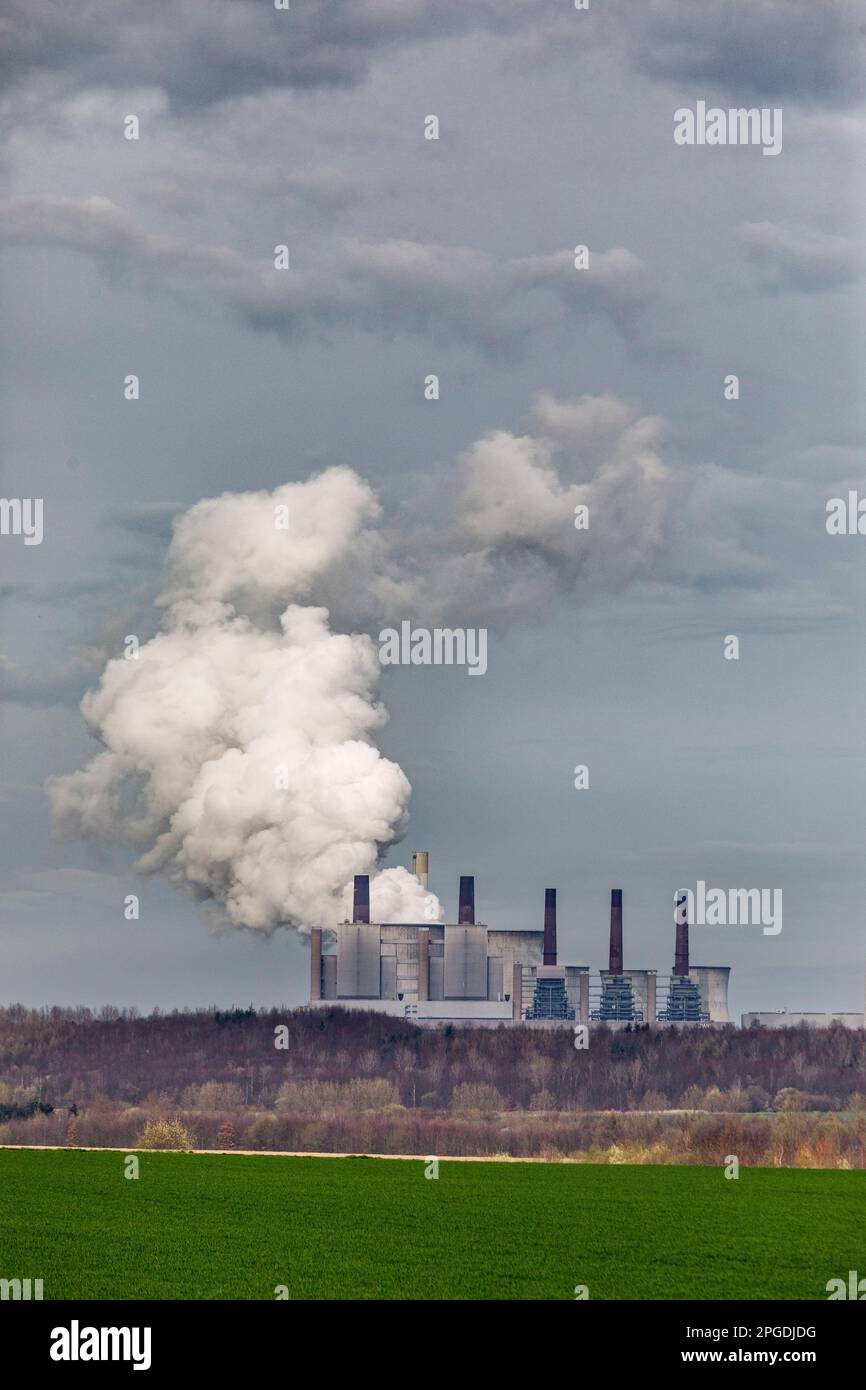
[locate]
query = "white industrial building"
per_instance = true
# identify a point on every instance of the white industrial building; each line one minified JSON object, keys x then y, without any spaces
{"x":468,"y":972}
{"x":780,"y":1018}
{"x":453,"y":972}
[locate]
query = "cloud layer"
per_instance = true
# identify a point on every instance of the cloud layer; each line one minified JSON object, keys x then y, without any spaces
{"x":803,"y":48}
{"x":238,"y":747}
{"x":239,"y":761}
{"x":453,"y":292}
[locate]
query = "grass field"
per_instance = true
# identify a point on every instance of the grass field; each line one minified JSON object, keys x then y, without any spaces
{"x":216,"y":1226}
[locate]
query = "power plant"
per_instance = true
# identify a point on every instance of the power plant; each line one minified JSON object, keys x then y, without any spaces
{"x":469,"y":972}
{"x":684,"y":994}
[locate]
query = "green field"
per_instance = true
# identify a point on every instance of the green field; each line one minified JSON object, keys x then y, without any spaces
{"x":216,"y":1226}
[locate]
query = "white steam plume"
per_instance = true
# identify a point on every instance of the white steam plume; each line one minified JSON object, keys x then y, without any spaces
{"x":239,"y":758}
{"x":239,"y":745}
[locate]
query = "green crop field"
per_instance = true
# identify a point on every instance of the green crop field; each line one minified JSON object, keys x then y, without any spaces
{"x":229,"y":1226}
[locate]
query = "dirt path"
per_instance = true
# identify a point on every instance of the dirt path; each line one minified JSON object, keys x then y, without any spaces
{"x":285,"y":1153}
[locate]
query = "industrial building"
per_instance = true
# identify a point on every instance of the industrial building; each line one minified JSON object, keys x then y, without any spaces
{"x":782,"y":1019}
{"x":469,"y":972}
{"x":463,"y":971}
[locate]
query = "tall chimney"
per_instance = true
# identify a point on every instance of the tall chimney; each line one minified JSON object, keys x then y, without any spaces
{"x":681,"y":952}
{"x":466,"y":910}
{"x":550,"y":926}
{"x":361,"y":908}
{"x":616,"y":931}
{"x":315,"y":962}
{"x":420,"y":865}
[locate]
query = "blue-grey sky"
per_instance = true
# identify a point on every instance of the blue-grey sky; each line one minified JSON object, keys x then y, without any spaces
{"x":409,"y":257}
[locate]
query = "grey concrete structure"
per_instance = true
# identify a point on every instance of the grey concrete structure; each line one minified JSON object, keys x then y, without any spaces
{"x":316,"y":964}
{"x":466,"y":971}
{"x":782,"y":1019}
{"x":420,"y":866}
{"x":434,"y":972}
{"x":712,"y":981}
{"x":517,"y":995}
{"x":358,"y":969}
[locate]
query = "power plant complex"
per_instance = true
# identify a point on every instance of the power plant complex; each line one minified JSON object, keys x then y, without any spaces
{"x":468,"y":972}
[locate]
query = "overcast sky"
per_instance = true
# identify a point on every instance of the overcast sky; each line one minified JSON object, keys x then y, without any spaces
{"x":455,"y":257}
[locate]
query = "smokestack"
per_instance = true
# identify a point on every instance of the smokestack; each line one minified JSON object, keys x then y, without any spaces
{"x":616,"y":931}
{"x":681,"y":950}
{"x":361,"y":908}
{"x":316,"y":963}
{"x":420,"y":865}
{"x":466,"y":910}
{"x":550,"y":926}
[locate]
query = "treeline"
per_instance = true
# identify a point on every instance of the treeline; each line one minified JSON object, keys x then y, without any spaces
{"x":784,"y":1139}
{"x":22,"y":1109}
{"x":67,"y":1057}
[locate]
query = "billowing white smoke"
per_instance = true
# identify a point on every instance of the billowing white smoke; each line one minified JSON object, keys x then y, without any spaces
{"x":516,"y":510}
{"x":238,"y":757}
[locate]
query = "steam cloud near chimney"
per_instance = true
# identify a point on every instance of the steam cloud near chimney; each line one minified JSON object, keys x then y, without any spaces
{"x":238,"y":752}
{"x":238,"y":747}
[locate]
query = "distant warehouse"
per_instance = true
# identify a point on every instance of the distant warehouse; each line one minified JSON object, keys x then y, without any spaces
{"x":782,"y":1019}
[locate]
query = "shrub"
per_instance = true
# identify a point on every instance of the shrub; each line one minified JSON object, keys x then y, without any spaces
{"x":262,"y":1133}
{"x":213,"y":1095}
{"x":757,"y":1098}
{"x":231,"y":1016}
{"x":692,"y":1099}
{"x":543,"y":1100}
{"x":361,"y":1093}
{"x":788,"y":1099}
{"x":654,"y":1100}
{"x":370,"y":1093}
{"x":226,"y":1138}
{"x":165,"y":1134}
{"x":476,"y":1095}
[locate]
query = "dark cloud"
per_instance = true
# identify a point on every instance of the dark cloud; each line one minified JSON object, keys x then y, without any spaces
{"x":805,"y":50}
{"x":201,"y":53}
{"x":808,"y":51}
{"x":260,"y":126}
{"x":387,"y":286}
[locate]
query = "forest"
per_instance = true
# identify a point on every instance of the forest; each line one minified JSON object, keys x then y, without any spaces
{"x":334,"y":1080}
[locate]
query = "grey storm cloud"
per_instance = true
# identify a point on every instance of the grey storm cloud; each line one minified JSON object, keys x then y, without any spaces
{"x":799,"y":259}
{"x":390,"y":285}
{"x":810,"y":51}
{"x":502,"y":541}
{"x":227,"y":48}
{"x":805,"y":49}
{"x":239,"y":748}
